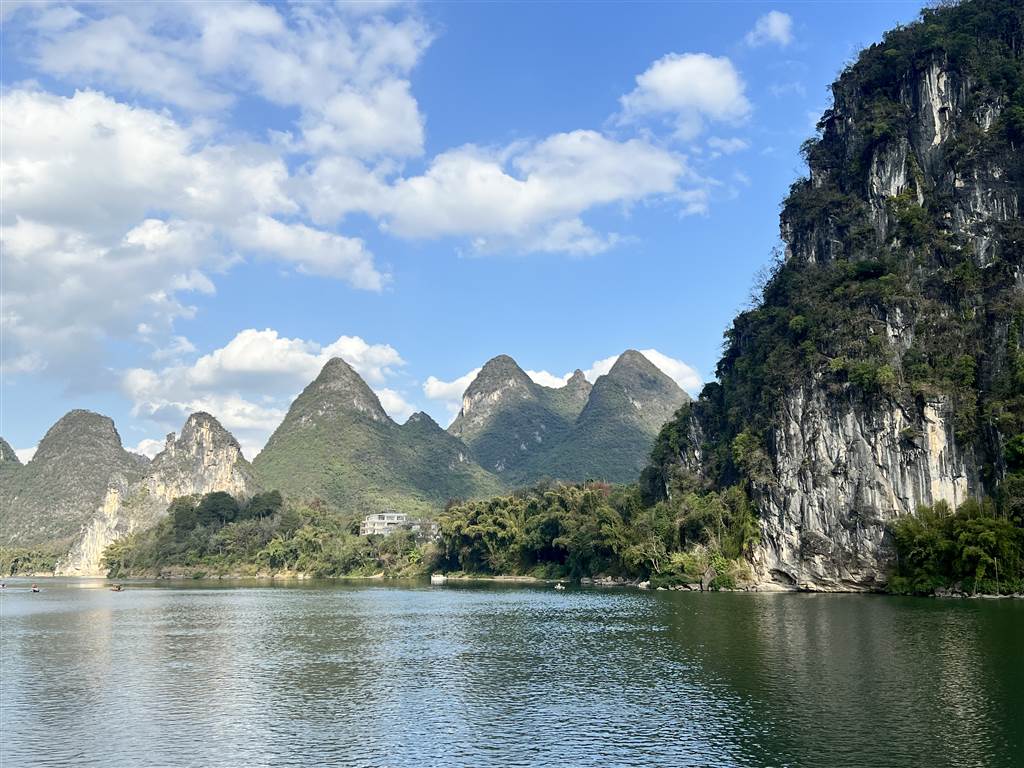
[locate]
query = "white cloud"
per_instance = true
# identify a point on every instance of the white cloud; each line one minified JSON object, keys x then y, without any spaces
{"x":774,"y":27}
{"x":249,"y":383}
{"x":529,"y":193}
{"x":345,"y":74}
{"x":25,"y":454}
{"x":397,"y":407}
{"x":727,"y":146}
{"x":314,"y":251}
{"x":548,"y":379}
{"x":384,"y":120}
{"x":689,"y":89}
{"x":148,"y":447}
{"x":85,"y":259}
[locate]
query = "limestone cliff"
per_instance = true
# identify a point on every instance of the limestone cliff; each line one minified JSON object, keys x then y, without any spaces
{"x":881,"y":370}
{"x":204,"y":458}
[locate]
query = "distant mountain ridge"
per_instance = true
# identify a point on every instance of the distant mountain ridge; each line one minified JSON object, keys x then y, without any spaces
{"x":523,"y":431}
{"x":82,"y":490}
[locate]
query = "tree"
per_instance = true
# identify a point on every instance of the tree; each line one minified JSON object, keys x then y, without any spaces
{"x":216,"y":509}
{"x":261,"y":505}
{"x":182,"y":512}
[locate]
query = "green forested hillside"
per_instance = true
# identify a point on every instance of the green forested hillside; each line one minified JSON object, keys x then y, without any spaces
{"x":611,"y":438}
{"x":337,"y":444}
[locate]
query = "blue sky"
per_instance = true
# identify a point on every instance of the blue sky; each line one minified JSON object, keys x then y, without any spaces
{"x":202,"y":203}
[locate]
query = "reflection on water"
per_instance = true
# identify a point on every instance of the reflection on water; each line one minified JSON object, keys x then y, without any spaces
{"x":363,"y":675}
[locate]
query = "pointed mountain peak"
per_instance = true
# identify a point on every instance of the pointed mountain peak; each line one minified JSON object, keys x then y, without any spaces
{"x":500,"y":370}
{"x":338,"y":388}
{"x":79,"y":430}
{"x":500,"y":383}
{"x":421,"y":417}
{"x":7,"y":454}
{"x":422,"y":421}
{"x":202,"y":431}
{"x":577,"y":379}
{"x":633,"y":359}
{"x":636,"y":388}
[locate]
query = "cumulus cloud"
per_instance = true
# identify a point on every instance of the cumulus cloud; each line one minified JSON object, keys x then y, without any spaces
{"x":347,"y":75}
{"x":249,"y":383}
{"x":314,"y":251}
{"x":86,"y":259}
{"x":774,"y":27}
{"x":449,"y":393}
{"x":397,"y":407}
{"x":689,"y":90}
{"x":528,"y":196}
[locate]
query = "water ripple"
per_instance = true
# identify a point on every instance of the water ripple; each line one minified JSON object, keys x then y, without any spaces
{"x":358,"y":675}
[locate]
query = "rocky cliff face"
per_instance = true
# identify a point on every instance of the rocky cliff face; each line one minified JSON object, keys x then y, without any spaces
{"x":880,"y":373}
{"x":203,"y":459}
{"x":82,"y":491}
{"x":52,"y":497}
{"x":841,"y":473}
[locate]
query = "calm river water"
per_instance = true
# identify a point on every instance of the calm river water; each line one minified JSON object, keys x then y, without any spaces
{"x":374,"y":675}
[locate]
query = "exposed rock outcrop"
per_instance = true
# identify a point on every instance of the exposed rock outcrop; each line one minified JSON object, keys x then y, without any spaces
{"x":82,"y":490}
{"x":896,"y":312}
{"x":203,"y":459}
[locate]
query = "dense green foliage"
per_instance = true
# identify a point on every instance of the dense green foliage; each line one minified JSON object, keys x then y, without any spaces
{"x":16,"y":561}
{"x":574,"y":531}
{"x":550,"y":531}
{"x":215,"y":535}
{"x":972,"y":549}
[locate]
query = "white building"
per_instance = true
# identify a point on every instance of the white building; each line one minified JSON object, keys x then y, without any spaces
{"x":382,"y":523}
{"x":386,"y":523}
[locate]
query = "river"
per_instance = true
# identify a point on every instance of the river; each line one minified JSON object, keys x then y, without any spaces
{"x":374,"y":674}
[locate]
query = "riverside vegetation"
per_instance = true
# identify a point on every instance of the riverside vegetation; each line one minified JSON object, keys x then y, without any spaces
{"x":548,"y":531}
